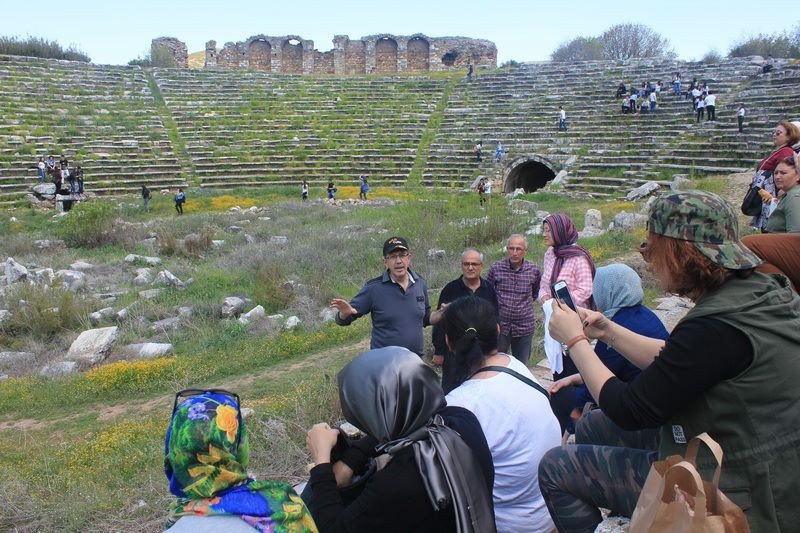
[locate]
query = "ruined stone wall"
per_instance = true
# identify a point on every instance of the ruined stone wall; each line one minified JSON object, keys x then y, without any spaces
{"x":176,"y":49}
{"x":382,"y":53}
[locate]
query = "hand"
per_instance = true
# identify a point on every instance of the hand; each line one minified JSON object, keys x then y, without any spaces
{"x":320,"y":440}
{"x":595,"y":325}
{"x":438,"y":315}
{"x":569,"y":381}
{"x":565,"y":323}
{"x":343,"y":474}
{"x":765,"y":196}
{"x":437,"y":360}
{"x":343,"y":307}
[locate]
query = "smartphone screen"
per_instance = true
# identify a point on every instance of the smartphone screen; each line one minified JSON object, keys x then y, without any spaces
{"x":561,"y":292}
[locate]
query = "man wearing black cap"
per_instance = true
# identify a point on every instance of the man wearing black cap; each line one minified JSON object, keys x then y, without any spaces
{"x":397,"y":300}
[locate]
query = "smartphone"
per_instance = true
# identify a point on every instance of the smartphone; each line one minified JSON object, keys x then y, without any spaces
{"x":561,"y":292}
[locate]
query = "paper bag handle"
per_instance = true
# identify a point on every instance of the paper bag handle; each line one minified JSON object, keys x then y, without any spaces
{"x":694,"y":445}
{"x":674,"y":476}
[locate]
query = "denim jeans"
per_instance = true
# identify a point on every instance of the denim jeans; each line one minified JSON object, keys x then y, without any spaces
{"x":520,"y":346}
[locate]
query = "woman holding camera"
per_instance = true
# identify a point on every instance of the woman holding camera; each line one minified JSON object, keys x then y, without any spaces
{"x":729,"y":368}
{"x":424,"y":466}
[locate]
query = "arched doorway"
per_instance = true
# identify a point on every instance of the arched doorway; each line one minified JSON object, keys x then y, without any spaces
{"x":259,"y":55}
{"x":529,"y":173}
{"x":418,"y":53}
{"x":292,"y":57}
{"x":386,"y":55}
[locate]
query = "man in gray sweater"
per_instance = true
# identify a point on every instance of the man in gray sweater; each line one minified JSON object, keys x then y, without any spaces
{"x":397,"y":300}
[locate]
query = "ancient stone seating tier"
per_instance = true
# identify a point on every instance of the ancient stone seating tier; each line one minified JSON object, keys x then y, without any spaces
{"x":608,"y":152}
{"x":249,"y":128}
{"x":244,"y":128}
{"x":102,"y":118}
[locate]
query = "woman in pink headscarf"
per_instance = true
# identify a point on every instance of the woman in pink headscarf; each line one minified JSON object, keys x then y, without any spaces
{"x":564,"y":260}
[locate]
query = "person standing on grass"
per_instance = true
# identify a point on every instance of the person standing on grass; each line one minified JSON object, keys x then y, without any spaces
{"x":397,"y":301}
{"x":304,"y":191}
{"x":331,"y":191}
{"x":146,"y":197}
{"x":478,"y":151}
{"x":180,"y":199}
{"x":516,"y":282}
{"x":470,"y":283}
{"x":362,"y":193}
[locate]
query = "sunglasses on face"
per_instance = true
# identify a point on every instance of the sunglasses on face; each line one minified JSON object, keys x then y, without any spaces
{"x":191,"y":393}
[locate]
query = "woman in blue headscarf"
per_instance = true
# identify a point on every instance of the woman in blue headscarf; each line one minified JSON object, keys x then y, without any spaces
{"x":618,"y":294}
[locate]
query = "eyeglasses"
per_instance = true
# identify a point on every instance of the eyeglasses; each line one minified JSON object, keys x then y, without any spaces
{"x":778,"y":132}
{"x":395,"y":257}
{"x":471,"y":265}
{"x":645,"y":251}
{"x":515,"y":248}
{"x":191,"y":393}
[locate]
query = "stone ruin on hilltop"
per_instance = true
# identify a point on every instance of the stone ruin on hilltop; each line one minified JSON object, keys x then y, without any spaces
{"x":381,"y":53}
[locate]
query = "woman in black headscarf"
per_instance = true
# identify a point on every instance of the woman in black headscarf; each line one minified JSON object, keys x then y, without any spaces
{"x":432,"y":469}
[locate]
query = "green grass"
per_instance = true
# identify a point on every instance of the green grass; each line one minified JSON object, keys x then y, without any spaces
{"x":85,"y":450}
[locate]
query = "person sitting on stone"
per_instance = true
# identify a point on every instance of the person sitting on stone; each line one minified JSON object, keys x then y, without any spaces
{"x":424,"y":466}
{"x":511,"y":406}
{"x":206,"y":457}
{"x":618,"y":294}
{"x":729,"y":368}
{"x":626,"y":104}
{"x":779,"y":245}
{"x":621,"y":90}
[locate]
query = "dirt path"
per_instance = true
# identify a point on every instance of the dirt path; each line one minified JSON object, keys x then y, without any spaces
{"x":331,"y":359}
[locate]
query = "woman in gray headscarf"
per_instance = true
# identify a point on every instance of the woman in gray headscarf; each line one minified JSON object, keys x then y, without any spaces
{"x":618,"y":294}
{"x":432,"y":470}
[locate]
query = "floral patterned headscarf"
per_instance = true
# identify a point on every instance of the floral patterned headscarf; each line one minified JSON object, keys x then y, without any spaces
{"x":206,"y":455}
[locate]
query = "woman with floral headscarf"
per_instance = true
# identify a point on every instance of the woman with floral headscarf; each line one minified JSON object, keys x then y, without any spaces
{"x":206,"y":455}
{"x":566,"y":261}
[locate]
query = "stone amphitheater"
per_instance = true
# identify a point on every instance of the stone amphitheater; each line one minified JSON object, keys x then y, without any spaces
{"x":220,"y":129}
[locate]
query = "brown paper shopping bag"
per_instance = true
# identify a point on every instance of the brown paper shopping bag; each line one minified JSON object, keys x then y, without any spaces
{"x":675,"y":499}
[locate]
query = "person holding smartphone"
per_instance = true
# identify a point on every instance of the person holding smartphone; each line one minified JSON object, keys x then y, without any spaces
{"x":729,"y":368}
{"x":565,"y":261}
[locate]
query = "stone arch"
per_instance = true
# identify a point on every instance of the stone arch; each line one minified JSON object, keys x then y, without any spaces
{"x":418,"y":54}
{"x":529,"y":173}
{"x":386,"y":55}
{"x":292,"y":56}
{"x":259,"y":55}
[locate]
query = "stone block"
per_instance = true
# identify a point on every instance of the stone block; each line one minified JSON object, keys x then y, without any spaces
{"x":149,"y":294}
{"x":643,"y":190}
{"x":167,"y":324}
{"x":59,"y":369}
{"x":15,"y":272}
{"x":149,"y":350}
{"x":232,"y":306}
{"x":165,"y":277}
{"x":73,"y":280}
{"x":255,"y":313}
{"x":93,"y":345}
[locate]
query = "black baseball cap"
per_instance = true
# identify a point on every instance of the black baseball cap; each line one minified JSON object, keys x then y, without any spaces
{"x":394,"y":243}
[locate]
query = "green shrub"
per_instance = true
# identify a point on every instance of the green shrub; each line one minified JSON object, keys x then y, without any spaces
{"x":44,"y":312}
{"x":39,"y":47}
{"x":89,"y":224}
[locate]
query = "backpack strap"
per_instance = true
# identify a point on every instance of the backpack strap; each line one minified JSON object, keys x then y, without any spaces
{"x":514,"y":373}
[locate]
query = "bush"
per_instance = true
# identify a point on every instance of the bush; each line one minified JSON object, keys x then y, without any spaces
{"x":579,"y":49}
{"x":89,"y":224}
{"x":44,"y":312}
{"x":712,"y":56}
{"x":39,"y":47}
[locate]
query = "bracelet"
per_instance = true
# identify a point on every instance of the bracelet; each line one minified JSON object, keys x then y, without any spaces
{"x":575,"y":340}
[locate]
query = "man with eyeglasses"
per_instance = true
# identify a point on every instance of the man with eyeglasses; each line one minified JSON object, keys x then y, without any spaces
{"x":397,"y":301}
{"x":516,"y":282}
{"x":468,"y":284}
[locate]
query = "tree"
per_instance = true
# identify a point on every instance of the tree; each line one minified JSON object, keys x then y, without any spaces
{"x":776,"y":45}
{"x":625,"y":41}
{"x":579,"y":49}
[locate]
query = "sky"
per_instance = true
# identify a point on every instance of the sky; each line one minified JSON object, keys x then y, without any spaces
{"x":116,"y":32}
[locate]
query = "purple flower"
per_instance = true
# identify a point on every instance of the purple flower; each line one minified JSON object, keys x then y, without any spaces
{"x":198,"y":412}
